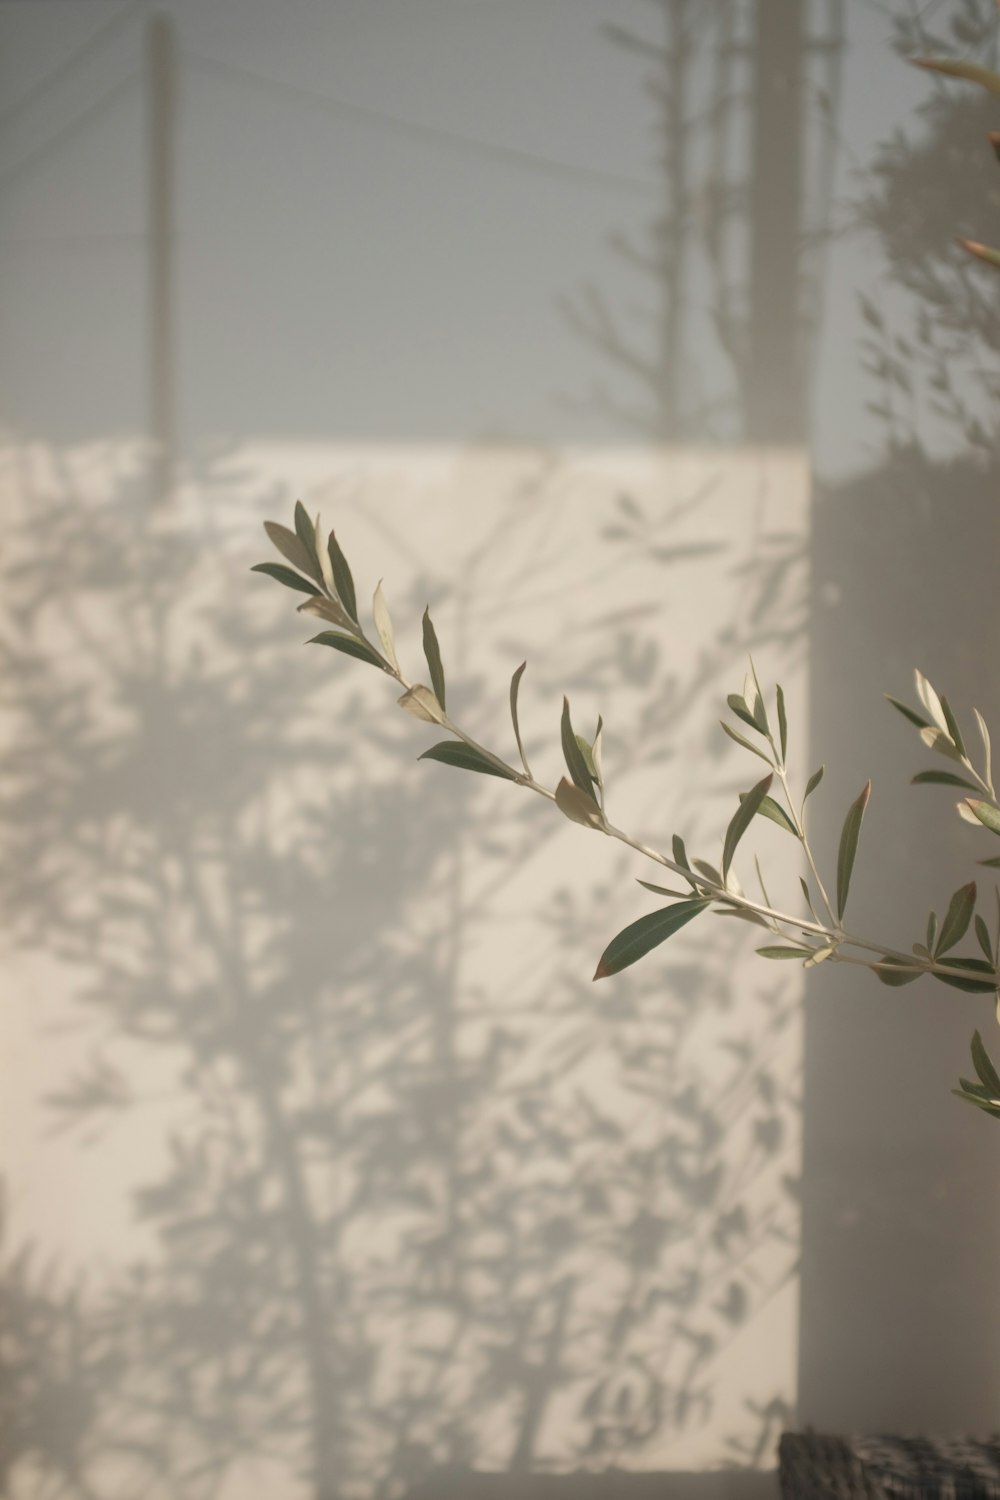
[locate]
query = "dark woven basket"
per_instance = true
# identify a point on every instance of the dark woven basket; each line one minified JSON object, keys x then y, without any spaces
{"x":817,"y":1467}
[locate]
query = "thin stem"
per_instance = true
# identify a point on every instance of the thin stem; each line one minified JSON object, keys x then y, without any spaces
{"x":833,"y":936}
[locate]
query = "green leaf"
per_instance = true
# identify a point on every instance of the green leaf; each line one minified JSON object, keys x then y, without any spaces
{"x":773,"y":810}
{"x":983,"y":986}
{"x":932,"y":927}
{"x":587,"y":751}
{"x":740,"y":709}
{"x":421,"y":703}
{"x":813,"y":783}
{"x":457,"y":753}
{"x":577,"y":805}
{"x":991,"y":864}
{"x":957,"y":918}
{"x":782,"y":721}
{"x":293,"y":549}
{"x":955,"y":67}
{"x":742,"y":740}
{"x":286,"y":576}
{"x":662,"y":890}
{"x":939,"y":740}
{"x":781,"y":952}
{"x":942,"y":778}
{"x":329,"y":609}
{"x":984,"y":734}
{"x":680,"y":852}
{"x":741,"y":820}
{"x":636,"y":940}
{"x":983,"y":937}
{"x":597,"y":752}
{"x":575,"y":763}
{"x":985,"y":253}
{"x":433,"y":654}
{"x":383,"y":625}
{"x":849,"y":836}
{"x":970,"y":1097}
{"x":893,"y":971}
{"x":305,"y":530}
{"x":515,"y":683}
{"x":983,"y":1064}
{"x":952,"y":724}
{"x":350,"y":645}
{"x":342,"y":579}
{"x":755,"y":699}
{"x":908,"y":713}
{"x":985,"y":813}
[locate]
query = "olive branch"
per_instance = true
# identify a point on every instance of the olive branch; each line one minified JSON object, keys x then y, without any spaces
{"x":318,"y":568}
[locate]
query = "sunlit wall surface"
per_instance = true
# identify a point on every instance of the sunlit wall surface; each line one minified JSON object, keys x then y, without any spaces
{"x":616,"y":334}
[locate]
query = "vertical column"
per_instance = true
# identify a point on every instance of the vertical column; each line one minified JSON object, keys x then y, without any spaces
{"x":776,"y":410}
{"x":161,"y":93}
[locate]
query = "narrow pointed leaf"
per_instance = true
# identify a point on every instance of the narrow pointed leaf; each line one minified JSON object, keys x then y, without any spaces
{"x":932,"y":928}
{"x":515,"y":683}
{"x":457,"y":753}
{"x":983,"y":1064}
{"x":578,"y":805}
{"x":894,"y":971}
{"x":680,"y":852}
{"x":782,"y":952}
{"x":956,"y":67}
{"x":741,"y":710}
{"x":575,"y":763}
{"x":741,"y":820}
{"x":662,"y":890}
{"x":587,"y":751}
{"x":782,"y":721}
{"x":329,"y":609}
{"x":929,"y":698}
{"x":983,"y":937}
{"x":985,"y":253}
{"x":323,"y":558}
{"x":286,"y":576}
{"x":985,"y":813}
{"x":984,"y":734}
{"x":742,"y":740}
{"x":293,"y":549}
{"x":981,"y":980}
{"x":849,"y":836}
{"x":597,"y":751}
{"x":636,"y":940}
{"x":350,"y":645}
{"x":813,"y":783}
{"x":770,"y":809}
{"x":305,"y":530}
{"x":942,"y":778}
{"x":433,"y":654}
{"x":953,"y":728}
{"x":709,"y":872}
{"x":989,"y":864}
{"x":383,"y":625}
{"x":908,"y":713}
{"x":808,"y":898}
{"x":956,"y":918}
{"x":939,"y":740}
{"x":342,"y":579}
{"x":422,"y":704}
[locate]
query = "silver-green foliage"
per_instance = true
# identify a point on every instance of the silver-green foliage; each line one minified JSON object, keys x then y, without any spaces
{"x":812,"y":935}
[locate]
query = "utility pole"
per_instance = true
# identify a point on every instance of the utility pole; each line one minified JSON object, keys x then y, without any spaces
{"x":161,"y":95}
{"x":775,"y":389}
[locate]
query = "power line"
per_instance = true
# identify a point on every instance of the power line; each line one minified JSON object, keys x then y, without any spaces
{"x":98,"y":37}
{"x":438,"y":135}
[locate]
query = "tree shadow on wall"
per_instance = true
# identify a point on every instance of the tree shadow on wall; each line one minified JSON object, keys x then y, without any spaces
{"x":367,"y":1228}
